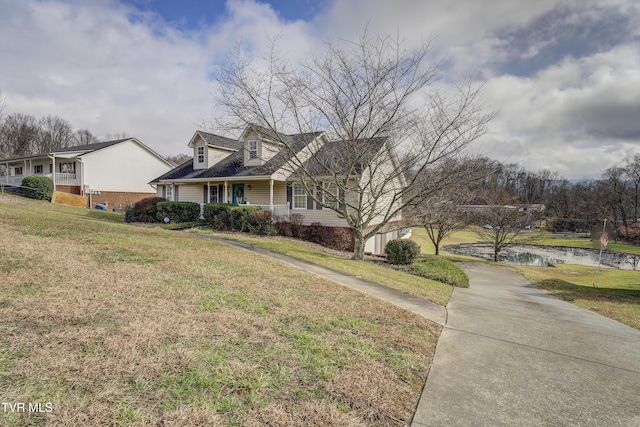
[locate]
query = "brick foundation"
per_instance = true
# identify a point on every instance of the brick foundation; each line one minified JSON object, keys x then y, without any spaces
{"x":71,"y":189}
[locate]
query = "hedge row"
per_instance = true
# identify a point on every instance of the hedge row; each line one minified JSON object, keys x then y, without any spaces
{"x":37,"y":187}
{"x":227,"y":216}
{"x":178,"y":211}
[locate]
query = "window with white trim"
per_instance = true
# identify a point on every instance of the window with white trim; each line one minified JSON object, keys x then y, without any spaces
{"x":169,"y":192}
{"x":17,"y":170}
{"x":200,"y":154}
{"x":299,"y":196}
{"x":252,"y":148}
{"x":37,"y":169}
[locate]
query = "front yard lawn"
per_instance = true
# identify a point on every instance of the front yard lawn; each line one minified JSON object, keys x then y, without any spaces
{"x":113,"y":324}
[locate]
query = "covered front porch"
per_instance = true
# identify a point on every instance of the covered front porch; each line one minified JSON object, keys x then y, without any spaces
{"x":62,"y":171}
{"x":269,"y":194}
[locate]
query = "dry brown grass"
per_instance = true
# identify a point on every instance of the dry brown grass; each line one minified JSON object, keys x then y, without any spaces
{"x":122,"y":325}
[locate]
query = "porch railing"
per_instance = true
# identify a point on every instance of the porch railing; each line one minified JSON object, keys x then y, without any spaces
{"x":66,"y":178}
{"x":61,"y":179}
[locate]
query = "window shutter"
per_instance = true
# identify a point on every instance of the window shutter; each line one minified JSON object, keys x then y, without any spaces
{"x":220,"y":196}
{"x":319,"y":197}
{"x":204,"y":194}
{"x":164,"y":191}
{"x":289,"y":195}
{"x":176,"y":196}
{"x":309,"y":203}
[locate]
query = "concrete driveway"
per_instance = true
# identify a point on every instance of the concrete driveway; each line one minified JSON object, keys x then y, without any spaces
{"x":511,"y":355}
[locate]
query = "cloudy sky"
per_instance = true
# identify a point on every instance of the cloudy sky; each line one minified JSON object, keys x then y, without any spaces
{"x":564,"y":74}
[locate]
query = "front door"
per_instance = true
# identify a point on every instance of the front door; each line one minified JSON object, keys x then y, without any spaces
{"x":238,"y":194}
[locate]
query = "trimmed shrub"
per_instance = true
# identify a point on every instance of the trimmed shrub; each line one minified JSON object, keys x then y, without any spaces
{"x":217,"y":216}
{"x":178,"y":211}
{"x":401,"y":251}
{"x":239,"y":217}
{"x":37,"y":187}
{"x":441,"y":270}
{"x":262,"y":222}
{"x":145,"y":210}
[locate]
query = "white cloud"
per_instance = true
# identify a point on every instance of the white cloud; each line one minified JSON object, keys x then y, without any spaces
{"x":110,"y":68}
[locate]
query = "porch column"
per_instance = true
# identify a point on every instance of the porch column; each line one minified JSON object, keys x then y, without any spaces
{"x":208,"y":192}
{"x":24,"y":169}
{"x":53,"y":171}
{"x":271,"y":195}
{"x":226,"y":189}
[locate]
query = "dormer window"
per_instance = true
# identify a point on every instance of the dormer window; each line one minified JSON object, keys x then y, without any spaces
{"x":252,"y":148}
{"x":200,"y":154}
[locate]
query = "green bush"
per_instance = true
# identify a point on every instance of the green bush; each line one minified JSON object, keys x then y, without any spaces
{"x":401,"y":251}
{"x":217,"y":216}
{"x":239,"y":217}
{"x":37,"y":187}
{"x":441,"y":270}
{"x":178,"y":211}
{"x":145,"y":210}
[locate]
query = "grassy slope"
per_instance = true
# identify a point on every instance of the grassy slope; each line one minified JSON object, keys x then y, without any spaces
{"x":119,"y":325}
{"x":408,"y":283}
{"x":617,"y":295}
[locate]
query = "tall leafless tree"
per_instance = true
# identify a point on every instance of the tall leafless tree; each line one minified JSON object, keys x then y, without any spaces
{"x":500,"y":225}
{"x":633,"y":173}
{"x":19,"y":135}
{"x":84,"y":137}
{"x":378,"y":103}
{"x":53,"y":133}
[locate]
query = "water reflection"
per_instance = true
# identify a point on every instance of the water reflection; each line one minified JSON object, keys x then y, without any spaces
{"x":542,"y":256}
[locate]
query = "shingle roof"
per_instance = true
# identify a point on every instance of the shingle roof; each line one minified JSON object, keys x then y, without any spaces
{"x":343,"y":157}
{"x":89,"y":147}
{"x":233,"y":165}
{"x":220,"y":141}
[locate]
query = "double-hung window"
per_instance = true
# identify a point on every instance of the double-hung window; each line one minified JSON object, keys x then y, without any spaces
{"x":299,"y":196}
{"x":37,"y":169}
{"x":169,"y":192}
{"x":200,"y":154}
{"x":252,"y":148}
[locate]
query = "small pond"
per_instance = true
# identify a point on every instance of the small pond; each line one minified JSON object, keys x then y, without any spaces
{"x":543,"y":256}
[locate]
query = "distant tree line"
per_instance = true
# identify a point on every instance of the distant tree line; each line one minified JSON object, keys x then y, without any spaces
{"x":25,"y":135}
{"x":570,"y":206}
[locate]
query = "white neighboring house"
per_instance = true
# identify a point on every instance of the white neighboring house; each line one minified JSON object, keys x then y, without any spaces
{"x":254,"y":170}
{"x":112,"y":172}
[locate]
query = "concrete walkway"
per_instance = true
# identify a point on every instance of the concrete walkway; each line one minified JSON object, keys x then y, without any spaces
{"x":429,"y":310}
{"x":510,"y":355}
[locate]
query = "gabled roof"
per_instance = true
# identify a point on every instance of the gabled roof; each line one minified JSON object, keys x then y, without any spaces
{"x":216,"y":141}
{"x":233,"y":165}
{"x":343,"y":157}
{"x":89,"y":147}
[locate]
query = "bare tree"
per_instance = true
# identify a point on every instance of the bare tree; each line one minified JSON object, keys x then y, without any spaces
{"x":617,"y":189}
{"x":500,"y":224}
{"x":633,"y":173}
{"x":114,"y":136}
{"x":451,"y":184}
{"x":376,"y":101}
{"x":53,"y":132}
{"x":84,"y":137}
{"x":178,"y":159}
{"x":19,"y":134}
